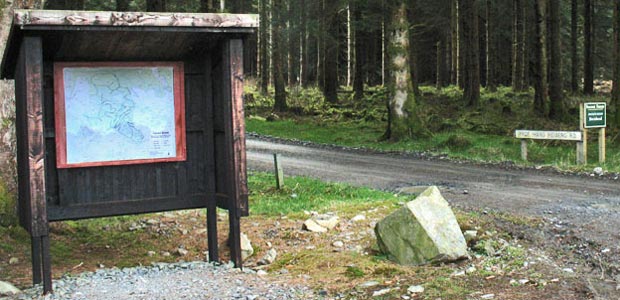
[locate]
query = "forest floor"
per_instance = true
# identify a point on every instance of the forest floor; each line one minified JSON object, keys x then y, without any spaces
{"x":511,"y":258}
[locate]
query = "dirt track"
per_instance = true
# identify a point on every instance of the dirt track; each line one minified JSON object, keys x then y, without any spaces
{"x":589,"y":207}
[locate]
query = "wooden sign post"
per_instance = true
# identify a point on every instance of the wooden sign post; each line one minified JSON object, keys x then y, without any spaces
{"x":594,"y":115}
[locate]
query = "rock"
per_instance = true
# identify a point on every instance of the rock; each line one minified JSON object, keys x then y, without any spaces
{"x":269,"y":257}
{"x":165,"y":253}
{"x":381,"y":292}
{"x":568,"y":270}
{"x":150,"y":253}
{"x":327,"y":221}
{"x":246,"y":247}
{"x":470,"y":270}
{"x":13,"y":261}
{"x":358,"y":218}
{"x":338,"y":244}
{"x":368,"y":284}
{"x":182,"y":252}
{"x":424,"y":230}
{"x":8,"y":289}
{"x":261,"y":272}
{"x":488,"y":296}
{"x":313,"y":226}
{"x":415,"y":289}
{"x":152,"y":222}
{"x":470,"y":235}
{"x":598,"y":171}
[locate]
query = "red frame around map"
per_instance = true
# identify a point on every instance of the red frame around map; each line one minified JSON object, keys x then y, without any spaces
{"x":60,"y":114}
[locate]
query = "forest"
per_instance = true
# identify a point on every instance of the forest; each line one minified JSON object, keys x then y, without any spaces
{"x":555,"y":50}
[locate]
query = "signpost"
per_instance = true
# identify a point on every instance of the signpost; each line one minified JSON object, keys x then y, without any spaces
{"x":524,"y":135}
{"x":593,"y":115}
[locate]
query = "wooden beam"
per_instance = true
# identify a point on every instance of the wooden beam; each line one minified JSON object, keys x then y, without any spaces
{"x":106,"y":18}
{"x":32,"y":56}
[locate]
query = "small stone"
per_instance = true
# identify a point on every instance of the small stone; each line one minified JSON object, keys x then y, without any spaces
{"x":261,"y":273}
{"x":338,"y":244}
{"x":470,"y":235}
{"x":470,"y":270}
{"x":465,"y":192}
{"x":150,"y":253}
{"x":327,"y":221}
{"x":358,"y":218}
{"x":598,"y":171}
{"x":152,"y":222}
{"x":415,"y":289}
{"x":368,"y":284}
{"x":246,"y":247}
{"x":405,"y":297}
{"x":165,"y":253}
{"x":313,"y":226}
{"x":269,"y":257}
{"x":8,"y":289}
{"x":182,"y":252}
{"x":13,"y":261}
{"x":458,"y":274}
{"x":568,"y":270}
{"x":381,"y":292}
{"x":488,"y":296}
{"x":524,"y":281}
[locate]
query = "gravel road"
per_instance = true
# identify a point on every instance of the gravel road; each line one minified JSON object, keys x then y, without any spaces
{"x":589,"y":205}
{"x":194,"y":280}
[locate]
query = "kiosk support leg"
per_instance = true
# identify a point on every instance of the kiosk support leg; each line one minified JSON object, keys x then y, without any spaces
{"x":235,"y":239}
{"x":36,"y":260}
{"x":212,"y":231}
{"x":47,"y":265}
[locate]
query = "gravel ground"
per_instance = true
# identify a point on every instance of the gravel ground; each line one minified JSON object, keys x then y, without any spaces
{"x":195,"y":280}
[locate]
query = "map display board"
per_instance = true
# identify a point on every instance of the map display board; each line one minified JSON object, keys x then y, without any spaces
{"x":119,"y":113}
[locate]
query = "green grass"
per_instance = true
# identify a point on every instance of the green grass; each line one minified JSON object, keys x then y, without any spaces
{"x":481,"y":147}
{"x":484,"y":134}
{"x":301,"y":194}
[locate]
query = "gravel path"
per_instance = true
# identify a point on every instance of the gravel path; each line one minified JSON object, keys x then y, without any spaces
{"x":195,"y":280}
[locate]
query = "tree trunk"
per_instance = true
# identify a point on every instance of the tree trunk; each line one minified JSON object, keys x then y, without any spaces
{"x":413,"y":56}
{"x":278,"y":55}
{"x":303,"y":28}
{"x":574,"y":82}
{"x":454,"y":31}
{"x":330,"y":58}
{"x":471,"y":59}
{"x":557,"y":109}
{"x":615,"y":93}
{"x":490,"y":45}
{"x":156,"y":5}
{"x":264,"y":48}
{"x":404,"y":122}
{"x":293,"y":43}
{"x":440,"y":80}
{"x":517,"y":46}
{"x":588,"y":70}
{"x":321,"y":39}
{"x":539,"y":60}
{"x":482,"y":46}
{"x":360,"y":51}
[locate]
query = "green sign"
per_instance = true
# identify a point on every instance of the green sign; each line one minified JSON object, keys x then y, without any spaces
{"x":595,"y":115}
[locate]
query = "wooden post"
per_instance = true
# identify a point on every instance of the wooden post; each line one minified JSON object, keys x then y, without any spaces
{"x":524,"y":149}
{"x":235,"y":140}
{"x":601,"y":145}
{"x":582,"y":154}
{"x":278,"y":171}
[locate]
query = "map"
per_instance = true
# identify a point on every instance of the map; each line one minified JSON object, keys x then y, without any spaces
{"x":119,"y":113}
